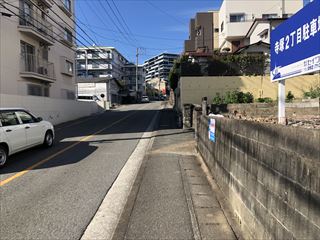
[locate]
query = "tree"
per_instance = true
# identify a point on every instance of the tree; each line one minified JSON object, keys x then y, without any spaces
{"x":183,"y":67}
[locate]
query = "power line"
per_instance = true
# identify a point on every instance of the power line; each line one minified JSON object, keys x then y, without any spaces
{"x":137,"y":35}
{"x":54,"y":38}
{"x":163,"y":11}
{"x":123,"y":20}
{"x":105,"y":10}
{"x":63,"y":27}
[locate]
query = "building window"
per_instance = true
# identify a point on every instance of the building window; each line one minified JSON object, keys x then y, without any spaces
{"x":69,"y":67}
{"x":67,"y":4}
{"x":38,"y":90}
{"x":68,"y":35}
{"x":216,"y":30}
{"x":222,"y":26}
{"x":25,"y":12}
{"x":66,"y":66}
{"x":239,"y":17}
{"x":269,"y":15}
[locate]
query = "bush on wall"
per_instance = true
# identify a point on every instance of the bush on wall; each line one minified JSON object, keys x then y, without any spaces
{"x":314,"y":92}
{"x":233,"y":97}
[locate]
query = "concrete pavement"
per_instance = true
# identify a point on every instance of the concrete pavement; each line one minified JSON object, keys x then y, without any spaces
{"x":171,"y":197}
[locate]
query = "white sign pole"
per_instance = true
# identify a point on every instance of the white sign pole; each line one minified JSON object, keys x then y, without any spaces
{"x":282,"y":102}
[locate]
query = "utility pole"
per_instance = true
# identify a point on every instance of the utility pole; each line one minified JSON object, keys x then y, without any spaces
{"x":137,"y":74}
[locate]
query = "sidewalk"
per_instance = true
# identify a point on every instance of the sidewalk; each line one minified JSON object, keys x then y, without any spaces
{"x":171,"y":197}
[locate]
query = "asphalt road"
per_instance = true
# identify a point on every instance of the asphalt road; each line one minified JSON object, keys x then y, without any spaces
{"x":54,"y":193}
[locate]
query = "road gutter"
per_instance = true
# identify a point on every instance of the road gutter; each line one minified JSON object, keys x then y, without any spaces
{"x":106,"y":219}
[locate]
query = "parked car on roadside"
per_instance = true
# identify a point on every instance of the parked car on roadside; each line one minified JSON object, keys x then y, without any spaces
{"x":20,"y":130}
{"x":145,"y":99}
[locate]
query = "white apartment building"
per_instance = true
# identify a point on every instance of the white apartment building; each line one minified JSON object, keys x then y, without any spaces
{"x":237,"y":17}
{"x":160,"y":66}
{"x":37,"y":59}
{"x":100,"y":62}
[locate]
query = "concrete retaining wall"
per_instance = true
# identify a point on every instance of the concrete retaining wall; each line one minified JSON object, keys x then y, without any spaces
{"x":269,"y":109}
{"x":193,"y":89}
{"x":54,"y":110}
{"x":269,"y":173}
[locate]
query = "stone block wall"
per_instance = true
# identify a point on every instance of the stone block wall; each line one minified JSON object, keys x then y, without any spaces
{"x":268,"y":109}
{"x":270,"y":174}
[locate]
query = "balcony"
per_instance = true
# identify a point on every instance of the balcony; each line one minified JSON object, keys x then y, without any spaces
{"x":237,"y":27}
{"x":47,"y":3}
{"x":99,"y":66}
{"x":35,"y":68}
{"x":65,"y":6}
{"x":99,"y":56}
{"x":35,"y":26}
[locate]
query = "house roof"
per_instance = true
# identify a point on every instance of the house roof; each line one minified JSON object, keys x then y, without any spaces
{"x":262,"y":20}
{"x":251,"y":45}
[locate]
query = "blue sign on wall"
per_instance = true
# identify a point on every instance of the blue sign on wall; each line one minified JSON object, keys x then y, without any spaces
{"x":295,"y":44}
{"x":212,"y":130}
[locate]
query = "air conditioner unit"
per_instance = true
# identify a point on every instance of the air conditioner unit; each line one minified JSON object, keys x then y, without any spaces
{"x":43,"y":71}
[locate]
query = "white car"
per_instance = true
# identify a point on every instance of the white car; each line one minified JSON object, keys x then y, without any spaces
{"x":145,"y":99}
{"x":20,"y":130}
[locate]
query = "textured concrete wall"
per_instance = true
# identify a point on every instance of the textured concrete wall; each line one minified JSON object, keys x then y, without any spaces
{"x":269,"y":173}
{"x":193,"y":89}
{"x":269,"y":109}
{"x":54,"y":110}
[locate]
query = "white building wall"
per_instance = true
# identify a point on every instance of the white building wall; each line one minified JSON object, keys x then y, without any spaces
{"x":259,"y":28}
{"x":14,"y":87}
{"x":252,"y":9}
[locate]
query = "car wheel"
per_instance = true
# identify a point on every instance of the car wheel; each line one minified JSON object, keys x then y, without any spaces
{"x":48,"y":139}
{"x":3,"y":156}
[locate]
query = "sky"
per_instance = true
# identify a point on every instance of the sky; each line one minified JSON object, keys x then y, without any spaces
{"x":154,"y":26}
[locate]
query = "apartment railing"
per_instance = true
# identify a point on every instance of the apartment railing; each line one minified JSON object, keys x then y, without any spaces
{"x":35,"y":21}
{"x":241,"y":18}
{"x":29,"y":63}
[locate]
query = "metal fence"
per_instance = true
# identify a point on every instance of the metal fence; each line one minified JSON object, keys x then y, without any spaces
{"x":35,"y":21}
{"x":32,"y":64}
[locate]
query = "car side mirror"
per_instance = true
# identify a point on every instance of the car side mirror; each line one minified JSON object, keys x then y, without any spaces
{"x":39,"y":119}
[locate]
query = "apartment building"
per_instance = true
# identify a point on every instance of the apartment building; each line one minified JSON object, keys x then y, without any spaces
{"x":106,"y":64}
{"x":159,"y":66}
{"x":130,"y":78}
{"x":100,"y":62}
{"x":36,"y":45}
{"x":237,"y":17}
{"x":203,"y":33}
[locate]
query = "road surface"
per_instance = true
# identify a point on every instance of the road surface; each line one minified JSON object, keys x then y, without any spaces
{"x":54,"y":193}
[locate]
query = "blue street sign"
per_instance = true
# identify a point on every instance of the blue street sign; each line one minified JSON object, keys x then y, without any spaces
{"x":295,"y":44}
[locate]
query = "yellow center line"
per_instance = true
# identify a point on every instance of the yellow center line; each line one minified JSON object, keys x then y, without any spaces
{"x":21,"y":173}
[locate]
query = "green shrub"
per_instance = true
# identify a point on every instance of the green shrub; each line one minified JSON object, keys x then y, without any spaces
{"x":218,"y":99}
{"x":289,"y":97}
{"x":233,"y":97}
{"x":314,"y":92}
{"x":264,"y":100}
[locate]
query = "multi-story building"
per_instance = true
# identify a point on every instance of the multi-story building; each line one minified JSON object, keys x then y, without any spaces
{"x":160,"y":66}
{"x":203,"y":33}
{"x":236,"y":18}
{"x":36,"y":46}
{"x":100,"y":62}
{"x":130,"y":78}
{"x":105,"y":64}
